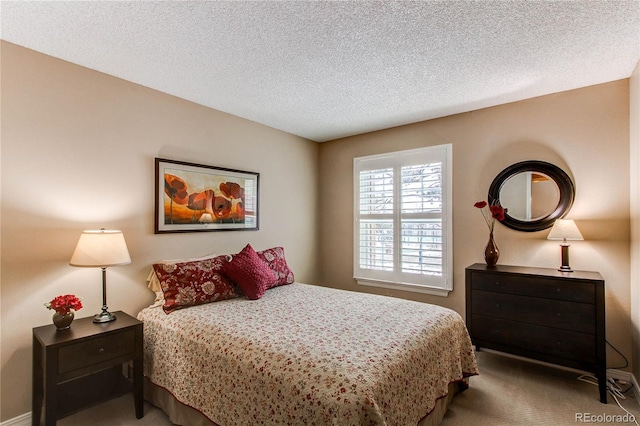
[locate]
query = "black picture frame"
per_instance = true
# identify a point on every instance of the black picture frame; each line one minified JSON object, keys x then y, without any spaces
{"x":192,"y":197}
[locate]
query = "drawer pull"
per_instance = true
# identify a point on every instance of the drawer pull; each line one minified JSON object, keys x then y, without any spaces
{"x":497,"y":283}
{"x":559,"y":314}
{"x":497,"y":305}
{"x":559,"y":290}
{"x":101,"y":350}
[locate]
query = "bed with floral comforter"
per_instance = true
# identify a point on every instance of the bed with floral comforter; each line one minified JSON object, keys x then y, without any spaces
{"x":305,"y":354}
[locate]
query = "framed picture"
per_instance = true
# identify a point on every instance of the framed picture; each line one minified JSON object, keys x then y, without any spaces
{"x":194,"y":197}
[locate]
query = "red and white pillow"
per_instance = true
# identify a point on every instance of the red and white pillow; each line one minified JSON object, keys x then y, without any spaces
{"x":154,"y":283}
{"x":194,"y":283}
{"x":278,"y":264}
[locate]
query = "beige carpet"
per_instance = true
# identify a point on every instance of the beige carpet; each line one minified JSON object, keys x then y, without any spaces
{"x":507,"y":392}
{"x":515,"y":392}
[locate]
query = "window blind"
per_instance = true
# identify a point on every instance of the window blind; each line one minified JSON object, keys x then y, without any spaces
{"x":401,"y":234}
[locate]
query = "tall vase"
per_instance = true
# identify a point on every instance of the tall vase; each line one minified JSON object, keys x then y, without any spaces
{"x":63,"y":322}
{"x":491,"y":252}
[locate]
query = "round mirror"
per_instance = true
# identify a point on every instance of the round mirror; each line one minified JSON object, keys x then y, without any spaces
{"x":535,"y":194}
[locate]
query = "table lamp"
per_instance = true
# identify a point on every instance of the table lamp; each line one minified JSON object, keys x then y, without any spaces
{"x":565,"y":230}
{"x":100,"y":249}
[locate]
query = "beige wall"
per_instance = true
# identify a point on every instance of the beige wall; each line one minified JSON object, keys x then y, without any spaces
{"x":78,"y":152}
{"x":634,"y":195}
{"x":585,"y":132}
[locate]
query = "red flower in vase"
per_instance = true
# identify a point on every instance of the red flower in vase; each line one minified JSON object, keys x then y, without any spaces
{"x":63,"y":304}
{"x":495,"y":211}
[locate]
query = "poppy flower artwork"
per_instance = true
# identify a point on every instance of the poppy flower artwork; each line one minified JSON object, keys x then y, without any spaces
{"x":194,"y":197}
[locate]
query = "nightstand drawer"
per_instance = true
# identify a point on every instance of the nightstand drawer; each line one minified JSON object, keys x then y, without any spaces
{"x":552,"y":313}
{"x":95,"y":351}
{"x":583,"y":292}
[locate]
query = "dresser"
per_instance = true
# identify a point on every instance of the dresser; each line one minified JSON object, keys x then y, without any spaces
{"x":539,"y":313}
{"x":81,"y":366}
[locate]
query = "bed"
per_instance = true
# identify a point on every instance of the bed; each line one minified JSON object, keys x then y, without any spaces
{"x":305,"y":354}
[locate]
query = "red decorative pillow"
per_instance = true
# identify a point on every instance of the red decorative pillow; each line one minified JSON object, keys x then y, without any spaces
{"x":193,"y":283}
{"x":278,"y":264}
{"x":250,"y":273}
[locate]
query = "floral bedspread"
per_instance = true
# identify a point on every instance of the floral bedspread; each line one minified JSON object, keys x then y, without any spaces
{"x":305,"y":354}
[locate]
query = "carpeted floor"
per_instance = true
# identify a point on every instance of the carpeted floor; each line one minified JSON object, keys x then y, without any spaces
{"x":511,"y":391}
{"x":507,"y":392}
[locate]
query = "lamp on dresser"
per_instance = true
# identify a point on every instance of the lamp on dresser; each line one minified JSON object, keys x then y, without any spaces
{"x":565,"y":230}
{"x":101,"y":249}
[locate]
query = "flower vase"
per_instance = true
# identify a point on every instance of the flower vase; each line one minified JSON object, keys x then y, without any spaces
{"x":63,"y":322}
{"x":491,"y":252}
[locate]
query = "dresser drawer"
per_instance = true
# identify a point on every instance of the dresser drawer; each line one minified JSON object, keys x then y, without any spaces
{"x":566,"y":344}
{"x":95,"y":351}
{"x":583,"y":292}
{"x":552,"y":313}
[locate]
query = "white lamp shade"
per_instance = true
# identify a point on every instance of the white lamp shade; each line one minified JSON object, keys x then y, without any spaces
{"x":100,"y":249}
{"x":565,"y":229}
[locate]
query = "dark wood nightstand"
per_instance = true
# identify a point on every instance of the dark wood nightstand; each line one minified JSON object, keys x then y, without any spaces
{"x":82,"y":366}
{"x":540,"y":313}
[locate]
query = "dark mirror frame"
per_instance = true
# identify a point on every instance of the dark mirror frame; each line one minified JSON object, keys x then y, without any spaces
{"x":565,"y":188}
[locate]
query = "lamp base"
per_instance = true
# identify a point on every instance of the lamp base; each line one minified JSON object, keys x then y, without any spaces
{"x":565,"y":258}
{"x":104,"y":316}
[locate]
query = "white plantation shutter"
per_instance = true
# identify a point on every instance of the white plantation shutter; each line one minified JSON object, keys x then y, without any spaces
{"x":403,"y":220}
{"x":376,"y":219}
{"x":421,"y":219}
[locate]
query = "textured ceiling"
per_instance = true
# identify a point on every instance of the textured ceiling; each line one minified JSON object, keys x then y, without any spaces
{"x":324,"y":70}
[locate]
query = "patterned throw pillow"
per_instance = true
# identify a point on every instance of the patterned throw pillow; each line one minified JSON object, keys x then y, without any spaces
{"x":250,"y":273}
{"x":278,"y":264}
{"x":193,"y":283}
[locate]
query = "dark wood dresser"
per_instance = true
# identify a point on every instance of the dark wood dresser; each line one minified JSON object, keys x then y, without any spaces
{"x":539,"y":313}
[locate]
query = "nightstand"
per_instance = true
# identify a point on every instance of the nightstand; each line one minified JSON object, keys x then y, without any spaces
{"x":82,"y":366}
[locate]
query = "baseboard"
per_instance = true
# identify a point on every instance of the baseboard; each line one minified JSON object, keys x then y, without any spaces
{"x":625,"y":376}
{"x":531,"y":360}
{"x":636,"y":388}
{"x":620,"y":375}
{"x":22,"y":420}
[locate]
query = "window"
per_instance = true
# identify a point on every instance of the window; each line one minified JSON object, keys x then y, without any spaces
{"x":402,"y":232}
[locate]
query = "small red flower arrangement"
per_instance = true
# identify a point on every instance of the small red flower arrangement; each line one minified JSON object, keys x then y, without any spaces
{"x":490,"y":215}
{"x":63,"y":304}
